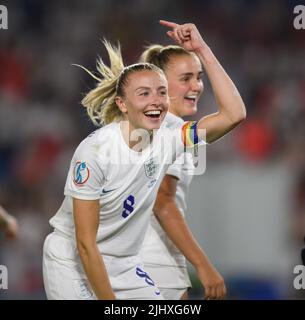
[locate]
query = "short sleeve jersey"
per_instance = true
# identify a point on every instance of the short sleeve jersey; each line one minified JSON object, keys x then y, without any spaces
{"x":125,"y":182}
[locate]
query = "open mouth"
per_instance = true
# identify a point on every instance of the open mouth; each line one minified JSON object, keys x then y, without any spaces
{"x":153,"y":114}
{"x":191,"y":98}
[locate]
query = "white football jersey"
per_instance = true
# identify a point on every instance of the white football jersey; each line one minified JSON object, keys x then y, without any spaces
{"x":124,"y":181}
{"x":157,"y":248}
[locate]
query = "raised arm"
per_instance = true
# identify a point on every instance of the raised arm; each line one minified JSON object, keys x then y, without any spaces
{"x":173,"y":223}
{"x":9,"y":224}
{"x":232,"y":110}
{"x":86,"y":217}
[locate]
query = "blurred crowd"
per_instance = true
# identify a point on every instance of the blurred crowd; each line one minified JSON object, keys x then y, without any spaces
{"x":42,"y":120}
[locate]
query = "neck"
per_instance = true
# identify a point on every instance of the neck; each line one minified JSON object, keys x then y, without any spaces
{"x":137,"y":139}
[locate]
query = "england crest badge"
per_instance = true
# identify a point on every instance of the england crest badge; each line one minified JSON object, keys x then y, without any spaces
{"x":150,"y":168}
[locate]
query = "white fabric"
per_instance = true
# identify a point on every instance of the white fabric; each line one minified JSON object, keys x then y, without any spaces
{"x":126,"y":183}
{"x":169,"y":277}
{"x":65,"y":278}
{"x":158,"y":249}
{"x":129,"y":188}
{"x":173,"y":294}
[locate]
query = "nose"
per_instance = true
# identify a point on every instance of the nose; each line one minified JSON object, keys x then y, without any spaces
{"x":157,"y":100}
{"x":197,"y":85}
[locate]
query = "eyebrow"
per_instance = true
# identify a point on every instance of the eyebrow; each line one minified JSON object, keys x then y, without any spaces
{"x":190,"y":74}
{"x":148,"y":88}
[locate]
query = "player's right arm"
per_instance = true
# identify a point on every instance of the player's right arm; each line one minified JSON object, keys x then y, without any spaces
{"x":83,"y":184}
{"x":86,"y":218}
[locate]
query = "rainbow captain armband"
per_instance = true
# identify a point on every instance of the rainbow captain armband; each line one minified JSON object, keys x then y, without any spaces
{"x":189,"y":133}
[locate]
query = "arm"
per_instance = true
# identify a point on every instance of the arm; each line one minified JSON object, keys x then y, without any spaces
{"x":232,"y":110}
{"x":174,"y":225}
{"x":86,"y":218}
{"x":9,"y":224}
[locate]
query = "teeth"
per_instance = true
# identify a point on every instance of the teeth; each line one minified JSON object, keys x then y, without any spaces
{"x":153,"y":112}
{"x":191,"y":97}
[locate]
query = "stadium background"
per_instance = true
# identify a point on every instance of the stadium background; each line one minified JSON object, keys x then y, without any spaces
{"x":247,"y":210}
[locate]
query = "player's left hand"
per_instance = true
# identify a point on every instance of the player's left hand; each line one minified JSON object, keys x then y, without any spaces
{"x":186,"y":35}
{"x":213,"y":283}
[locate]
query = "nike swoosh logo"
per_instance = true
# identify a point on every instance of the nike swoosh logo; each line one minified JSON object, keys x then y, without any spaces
{"x":107,"y":191}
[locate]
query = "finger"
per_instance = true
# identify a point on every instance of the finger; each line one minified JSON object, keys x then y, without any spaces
{"x":181,"y":36}
{"x":223,"y":291}
{"x":188,"y":30}
{"x":168,"y":24}
{"x":177,"y":37}
{"x":219,"y":292}
{"x":207,"y":293}
{"x":185,"y":32}
{"x":171,"y":35}
{"x":213,"y":293}
{"x":189,"y":27}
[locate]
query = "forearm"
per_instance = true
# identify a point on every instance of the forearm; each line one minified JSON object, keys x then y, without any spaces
{"x":227,"y":96}
{"x":96,"y":272}
{"x":177,"y":230}
{"x":231,"y":107}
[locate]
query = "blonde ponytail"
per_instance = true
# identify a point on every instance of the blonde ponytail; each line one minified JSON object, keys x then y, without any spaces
{"x":151,"y":54}
{"x":100,"y":101}
{"x":160,"y":55}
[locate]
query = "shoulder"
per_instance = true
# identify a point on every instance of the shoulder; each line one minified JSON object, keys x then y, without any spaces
{"x":98,"y":140}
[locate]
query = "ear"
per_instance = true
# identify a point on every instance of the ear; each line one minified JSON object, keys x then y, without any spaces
{"x":121,"y":104}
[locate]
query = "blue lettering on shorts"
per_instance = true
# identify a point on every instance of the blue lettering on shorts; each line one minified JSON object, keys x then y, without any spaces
{"x":148,"y":279}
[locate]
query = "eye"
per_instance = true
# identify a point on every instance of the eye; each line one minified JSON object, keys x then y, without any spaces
{"x":163,"y":92}
{"x":200,"y":76}
{"x":185,"y":79}
{"x":144,"y":94}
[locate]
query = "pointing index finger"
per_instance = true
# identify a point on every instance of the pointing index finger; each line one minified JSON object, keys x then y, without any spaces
{"x":168,"y":24}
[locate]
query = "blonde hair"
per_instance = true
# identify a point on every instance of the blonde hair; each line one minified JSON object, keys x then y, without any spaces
{"x":100,"y":101}
{"x":160,"y":55}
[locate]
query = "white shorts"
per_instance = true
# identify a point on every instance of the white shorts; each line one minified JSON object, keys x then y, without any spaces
{"x":65,"y":279}
{"x":173,"y":294}
{"x":173,"y":281}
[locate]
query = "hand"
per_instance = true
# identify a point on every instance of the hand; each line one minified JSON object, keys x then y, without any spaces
{"x":186,"y":35}
{"x":212,"y":282}
{"x":11,"y":229}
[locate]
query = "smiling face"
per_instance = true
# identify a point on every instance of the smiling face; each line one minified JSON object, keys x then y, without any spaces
{"x":184,"y":73}
{"x":145,"y":101}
